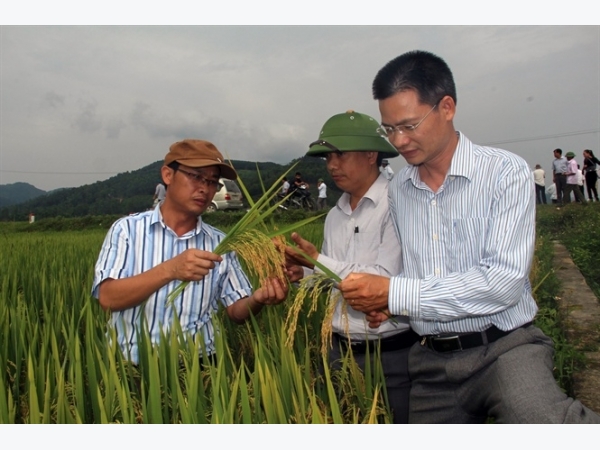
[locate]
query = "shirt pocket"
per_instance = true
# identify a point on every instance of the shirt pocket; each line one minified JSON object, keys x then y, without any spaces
{"x":467,"y":239}
{"x":365,"y":246}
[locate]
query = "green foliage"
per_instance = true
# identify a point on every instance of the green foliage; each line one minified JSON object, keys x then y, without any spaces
{"x":131,"y":192}
{"x":578,"y":228}
{"x":567,"y":359}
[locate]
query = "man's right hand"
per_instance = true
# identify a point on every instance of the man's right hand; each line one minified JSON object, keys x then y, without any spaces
{"x":124,"y":293}
{"x":192,"y":265}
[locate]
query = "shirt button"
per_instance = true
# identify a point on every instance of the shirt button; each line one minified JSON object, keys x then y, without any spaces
{"x":404,"y":312}
{"x":433,"y":203}
{"x":437,"y":271}
{"x":435,"y":237}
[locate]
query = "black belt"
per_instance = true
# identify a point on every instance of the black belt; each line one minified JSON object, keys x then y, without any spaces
{"x":465,"y":341}
{"x":396,"y":342}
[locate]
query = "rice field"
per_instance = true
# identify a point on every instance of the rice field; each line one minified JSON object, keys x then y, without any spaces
{"x":60,"y":364}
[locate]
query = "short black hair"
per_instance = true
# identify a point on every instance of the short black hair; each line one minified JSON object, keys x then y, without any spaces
{"x":423,"y":72}
{"x":558,"y":150}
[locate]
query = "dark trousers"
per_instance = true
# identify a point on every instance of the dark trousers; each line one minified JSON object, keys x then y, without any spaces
{"x":576,"y":192}
{"x":540,"y":194}
{"x":561,"y":184}
{"x":590,"y":181}
{"x":510,"y":380}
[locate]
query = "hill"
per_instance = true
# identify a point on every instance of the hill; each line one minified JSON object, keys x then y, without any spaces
{"x":15,"y":193}
{"x":132,"y":191}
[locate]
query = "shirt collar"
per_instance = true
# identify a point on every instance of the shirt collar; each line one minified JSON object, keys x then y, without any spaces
{"x":375,"y":194}
{"x":201,"y":226}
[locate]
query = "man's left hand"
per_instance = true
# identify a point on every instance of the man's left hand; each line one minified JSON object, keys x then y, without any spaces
{"x":272,"y":292}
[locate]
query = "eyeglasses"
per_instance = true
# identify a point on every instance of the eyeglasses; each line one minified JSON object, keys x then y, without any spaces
{"x":389,"y":130}
{"x":201,"y":179}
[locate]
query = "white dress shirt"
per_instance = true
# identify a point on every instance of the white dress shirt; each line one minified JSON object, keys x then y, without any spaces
{"x":362,"y":240}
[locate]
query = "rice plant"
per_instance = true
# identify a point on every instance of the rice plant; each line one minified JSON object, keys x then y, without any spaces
{"x":61,"y":363}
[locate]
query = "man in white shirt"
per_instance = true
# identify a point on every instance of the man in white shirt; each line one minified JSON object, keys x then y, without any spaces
{"x":322,"y":198}
{"x":159,"y":194}
{"x":551,"y":191}
{"x":559,"y":175}
{"x":580,"y":180}
{"x":539,"y":177}
{"x":359,"y":236}
{"x":285,"y":187}
{"x":386,"y":170}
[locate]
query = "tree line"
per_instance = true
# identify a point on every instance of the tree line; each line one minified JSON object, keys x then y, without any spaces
{"x":130,"y":192}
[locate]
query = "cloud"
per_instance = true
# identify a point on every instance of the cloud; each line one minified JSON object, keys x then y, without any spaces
{"x":53,"y":100}
{"x":87,"y":119}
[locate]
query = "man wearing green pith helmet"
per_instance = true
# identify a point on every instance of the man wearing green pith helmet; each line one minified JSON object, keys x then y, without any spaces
{"x":359,"y":237}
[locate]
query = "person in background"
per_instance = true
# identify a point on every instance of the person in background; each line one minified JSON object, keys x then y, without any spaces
{"x":159,"y":194}
{"x":145,"y":256}
{"x":299,"y":186}
{"x":359,"y":236}
{"x":572,"y":180}
{"x":465,"y":215}
{"x":539,"y":177}
{"x":551,"y":191}
{"x":285,"y":186}
{"x":559,"y":175}
{"x":590,"y":171}
{"x":386,"y":170}
{"x":322,"y":198}
{"x":580,"y":182}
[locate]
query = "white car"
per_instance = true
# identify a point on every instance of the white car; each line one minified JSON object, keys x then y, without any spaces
{"x":228,"y":197}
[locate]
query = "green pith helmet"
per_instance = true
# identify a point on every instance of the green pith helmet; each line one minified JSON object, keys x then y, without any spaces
{"x":352,"y":132}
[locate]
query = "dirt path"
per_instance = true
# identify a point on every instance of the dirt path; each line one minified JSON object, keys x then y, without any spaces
{"x":582,"y":310}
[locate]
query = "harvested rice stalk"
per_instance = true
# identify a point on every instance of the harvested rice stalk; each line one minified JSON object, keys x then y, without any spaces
{"x":254,"y":246}
{"x":311,"y":288}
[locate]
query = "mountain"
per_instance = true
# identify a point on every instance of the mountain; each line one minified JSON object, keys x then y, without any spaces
{"x":132,"y":191}
{"x":15,"y":193}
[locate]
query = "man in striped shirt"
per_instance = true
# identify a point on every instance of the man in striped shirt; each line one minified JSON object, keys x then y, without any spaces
{"x":465,"y":216}
{"x":145,"y":256}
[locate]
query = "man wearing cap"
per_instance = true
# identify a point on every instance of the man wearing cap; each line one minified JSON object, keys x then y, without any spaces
{"x":359,"y":236}
{"x":465,"y":215}
{"x":145,"y":256}
{"x":386,"y":170}
{"x":573,"y":180}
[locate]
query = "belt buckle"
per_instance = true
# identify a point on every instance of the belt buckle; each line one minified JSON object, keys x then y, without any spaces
{"x":446,"y":344}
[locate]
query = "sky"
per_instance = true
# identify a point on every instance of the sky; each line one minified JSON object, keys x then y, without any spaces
{"x":80,"y":104}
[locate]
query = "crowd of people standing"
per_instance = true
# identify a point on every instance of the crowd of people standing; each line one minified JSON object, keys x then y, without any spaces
{"x":568,"y":177}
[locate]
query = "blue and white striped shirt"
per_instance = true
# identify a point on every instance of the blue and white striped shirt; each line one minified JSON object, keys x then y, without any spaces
{"x":467,"y":249}
{"x":135,"y":244}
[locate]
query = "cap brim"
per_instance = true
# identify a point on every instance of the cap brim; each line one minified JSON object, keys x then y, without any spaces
{"x":355,"y":144}
{"x":226,"y":170}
